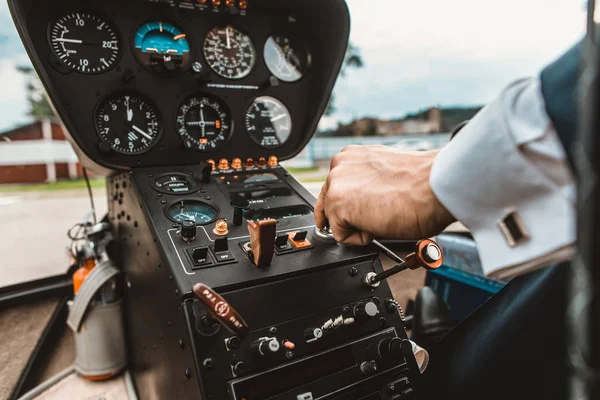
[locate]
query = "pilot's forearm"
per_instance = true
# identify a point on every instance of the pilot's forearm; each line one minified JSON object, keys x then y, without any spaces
{"x":506,"y":177}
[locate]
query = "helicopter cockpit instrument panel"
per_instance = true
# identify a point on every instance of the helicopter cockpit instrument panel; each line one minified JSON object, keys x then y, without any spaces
{"x":188,"y":106}
{"x":180,"y":82}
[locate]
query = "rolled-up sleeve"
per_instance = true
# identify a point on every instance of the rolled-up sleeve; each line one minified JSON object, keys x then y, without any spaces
{"x":505,"y":176}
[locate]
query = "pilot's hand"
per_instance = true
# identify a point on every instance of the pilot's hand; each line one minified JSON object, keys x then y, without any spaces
{"x":380,"y":191}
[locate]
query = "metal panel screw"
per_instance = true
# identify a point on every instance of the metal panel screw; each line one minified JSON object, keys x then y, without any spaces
{"x":208,"y":363}
{"x":188,"y":373}
{"x":181,"y":344}
{"x":353,"y":271}
{"x":273,"y":330}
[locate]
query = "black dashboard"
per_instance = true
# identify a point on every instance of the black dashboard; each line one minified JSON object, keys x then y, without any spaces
{"x":151,"y":83}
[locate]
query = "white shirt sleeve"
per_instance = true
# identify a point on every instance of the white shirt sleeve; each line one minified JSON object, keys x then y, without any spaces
{"x":505,"y":176}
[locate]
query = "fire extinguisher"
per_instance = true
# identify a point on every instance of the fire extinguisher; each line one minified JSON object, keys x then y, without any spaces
{"x":95,"y":314}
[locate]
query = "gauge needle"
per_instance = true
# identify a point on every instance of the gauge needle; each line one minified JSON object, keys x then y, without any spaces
{"x":129,"y":110}
{"x":67,"y":40}
{"x":202,"y":124}
{"x":228,"y":40}
{"x":141,"y":132}
{"x":277,"y":117}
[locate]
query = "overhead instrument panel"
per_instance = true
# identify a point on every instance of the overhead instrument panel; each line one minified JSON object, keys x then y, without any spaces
{"x":84,"y":42}
{"x":149,"y":83}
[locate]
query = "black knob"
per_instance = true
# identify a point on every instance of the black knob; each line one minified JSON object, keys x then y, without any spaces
{"x":240,"y":368}
{"x":312,"y":334}
{"x":188,"y":230}
{"x":234,"y":343}
{"x":368,"y":367}
{"x":390,"y":349}
{"x":365,"y":310}
{"x":239,"y":206}
{"x":265,"y":347}
{"x":206,"y":173}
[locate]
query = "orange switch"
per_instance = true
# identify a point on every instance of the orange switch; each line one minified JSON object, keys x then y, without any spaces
{"x":289,"y":345}
{"x":299,"y":239}
{"x":243,"y":4}
{"x":223,"y":163}
{"x":262,"y":162}
{"x":221,"y":228}
{"x":212,"y":162}
{"x":230,"y":3}
{"x":249,"y":163}
{"x":216,"y":2}
{"x":273,"y":162}
{"x":236,"y":163}
{"x":201,"y":1}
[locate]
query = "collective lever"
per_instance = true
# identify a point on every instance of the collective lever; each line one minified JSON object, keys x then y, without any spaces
{"x":221,"y":310}
{"x":428,"y":255}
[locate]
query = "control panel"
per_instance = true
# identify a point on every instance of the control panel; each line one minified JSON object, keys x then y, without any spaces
{"x":148,"y":83}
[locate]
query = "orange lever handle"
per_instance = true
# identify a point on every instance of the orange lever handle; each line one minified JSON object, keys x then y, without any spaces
{"x":221,"y":310}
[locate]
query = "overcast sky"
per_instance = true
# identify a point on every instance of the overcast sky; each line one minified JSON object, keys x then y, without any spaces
{"x":417,"y":53}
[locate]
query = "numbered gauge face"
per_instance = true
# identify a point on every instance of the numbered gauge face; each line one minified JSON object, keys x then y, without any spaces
{"x":128,"y":123}
{"x":193,"y":210}
{"x":286,"y":60}
{"x":162,"y":47}
{"x":85,"y":42}
{"x":229,"y":52}
{"x":204,"y":123}
{"x":268,"y":122}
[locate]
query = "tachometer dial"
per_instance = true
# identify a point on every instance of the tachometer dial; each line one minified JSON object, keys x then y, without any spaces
{"x":85,"y":42}
{"x":229,"y":52}
{"x":204,"y":123}
{"x":162,"y":47}
{"x":286,"y":59}
{"x":193,"y":210}
{"x":268,"y":122}
{"x":128,"y":123}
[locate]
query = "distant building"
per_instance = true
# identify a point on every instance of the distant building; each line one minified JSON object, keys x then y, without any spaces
{"x":37,"y":152}
{"x":431,"y":120}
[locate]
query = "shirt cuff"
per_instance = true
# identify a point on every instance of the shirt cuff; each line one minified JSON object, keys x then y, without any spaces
{"x":507,"y":168}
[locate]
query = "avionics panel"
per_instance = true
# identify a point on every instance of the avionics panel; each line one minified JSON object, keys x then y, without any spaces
{"x":147,"y":83}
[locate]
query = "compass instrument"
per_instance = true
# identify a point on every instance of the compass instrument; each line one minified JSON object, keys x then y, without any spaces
{"x":85,"y":42}
{"x":229,"y":52}
{"x":286,"y":60}
{"x":162,"y":47}
{"x":268,"y":122}
{"x":204,"y":123}
{"x":127,"y":124}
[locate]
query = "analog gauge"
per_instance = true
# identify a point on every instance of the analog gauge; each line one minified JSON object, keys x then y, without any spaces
{"x":285,"y":59}
{"x":204,"y":123}
{"x":229,"y":52}
{"x":193,"y":210}
{"x":176,"y":184}
{"x":268,"y":122}
{"x":85,"y":42}
{"x":128,"y":123}
{"x":162,"y":47}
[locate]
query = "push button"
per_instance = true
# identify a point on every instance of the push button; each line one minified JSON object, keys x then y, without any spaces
{"x":299,"y":240}
{"x":200,"y":256}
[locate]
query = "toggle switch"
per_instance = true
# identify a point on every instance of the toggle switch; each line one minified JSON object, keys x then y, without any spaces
{"x":200,"y":256}
{"x":282,"y":242}
{"x":221,"y":250}
{"x":299,"y":240}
